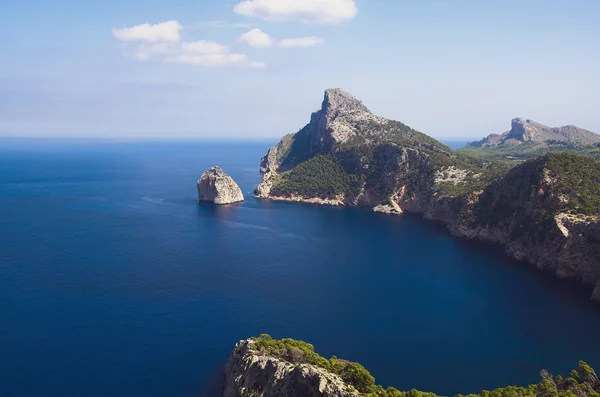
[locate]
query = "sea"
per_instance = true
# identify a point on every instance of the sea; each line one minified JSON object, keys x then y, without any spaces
{"x":115,"y":281}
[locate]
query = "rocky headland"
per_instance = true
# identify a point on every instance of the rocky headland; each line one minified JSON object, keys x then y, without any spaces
{"x":264,"y":367}
{"x":253,"y":371}
{"x":522,"y":131}
{"x":544,"y":211}
{"x":528,"y":139}
{"x":218,"y":187}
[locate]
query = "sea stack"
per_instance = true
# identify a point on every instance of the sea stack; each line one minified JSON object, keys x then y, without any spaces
{"x":218,"y":187}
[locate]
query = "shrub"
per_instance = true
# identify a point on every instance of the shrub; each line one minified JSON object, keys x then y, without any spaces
{"x":583,"y":383}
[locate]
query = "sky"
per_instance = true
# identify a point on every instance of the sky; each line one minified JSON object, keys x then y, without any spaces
{"x":245,"y":69}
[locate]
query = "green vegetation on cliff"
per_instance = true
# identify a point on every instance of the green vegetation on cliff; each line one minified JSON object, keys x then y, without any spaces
{"x":544,"y":210}
{"x":374,"y":162}
{"x":299,"y":352}
{"x":320,"y":176}
{"x":576,"y":179}
{"x":532,"y":193}
{"x":582,"y":382}
{"x":529,"y":150}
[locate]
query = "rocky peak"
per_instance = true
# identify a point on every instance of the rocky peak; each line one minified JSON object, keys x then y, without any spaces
{"x":338,"y":119}
{"x":523,"y":130}
{"x":216,"y":171}
{"x":339,"y":100}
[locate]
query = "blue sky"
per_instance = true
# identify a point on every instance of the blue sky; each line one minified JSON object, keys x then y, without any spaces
{"x":258,"y":68}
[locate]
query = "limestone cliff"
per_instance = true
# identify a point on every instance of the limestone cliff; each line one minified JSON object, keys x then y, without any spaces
{"x":218,"y":187}
{"x":544,"y":211}
{"x":264,"y":367}
{"x":252,"y":373}
{"x":530,"y":131}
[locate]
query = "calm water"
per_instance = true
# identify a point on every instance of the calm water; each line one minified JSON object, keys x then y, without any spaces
{"x":114,"y":281}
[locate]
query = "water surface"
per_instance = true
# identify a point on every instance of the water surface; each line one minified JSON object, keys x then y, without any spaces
{"x":114,"y":281}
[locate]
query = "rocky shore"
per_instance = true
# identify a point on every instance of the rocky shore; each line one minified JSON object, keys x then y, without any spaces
{"x":348,"y":156}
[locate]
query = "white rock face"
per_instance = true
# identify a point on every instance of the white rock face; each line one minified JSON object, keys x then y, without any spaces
{"x":340,"y":115}
{"x":340,"y":118}
{"x":218,"y":187}
{"x":264,"y":188}
{"x":249,"y":373}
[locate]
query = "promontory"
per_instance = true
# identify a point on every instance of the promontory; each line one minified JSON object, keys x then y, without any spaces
{"x":545,"y":211}
{"x":218,"y":187}
{"x":266,"y":367}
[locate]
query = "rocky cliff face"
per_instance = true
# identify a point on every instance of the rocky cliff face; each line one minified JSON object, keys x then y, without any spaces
{"x":250,"y":373}
{"x":538,"y":216}
{"x":544,"y":211}
{"x":218,"y":187}
{"x":530,"y":131}
{"x":261,"y":367}
{"x":338,"y":121}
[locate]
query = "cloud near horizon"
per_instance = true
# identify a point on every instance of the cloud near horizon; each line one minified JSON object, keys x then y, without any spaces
{"x":161,"y":32}
{"x":163,"y":43}
{"x":306,"y":11}
{"x":256,"y":38}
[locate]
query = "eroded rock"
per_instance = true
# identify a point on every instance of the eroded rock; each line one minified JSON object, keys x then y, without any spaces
{"x":251,"y":373}
{"x":218,"y":187}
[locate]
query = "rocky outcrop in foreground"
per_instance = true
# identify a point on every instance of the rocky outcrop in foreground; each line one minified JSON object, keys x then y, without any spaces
{"x":264,"y":367}
{"x":252,"y":373}
{"x":544,"y":211}
{"x":218,"y":187}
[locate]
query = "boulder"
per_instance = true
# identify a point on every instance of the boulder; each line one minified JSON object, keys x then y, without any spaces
{"x":218,"y":187}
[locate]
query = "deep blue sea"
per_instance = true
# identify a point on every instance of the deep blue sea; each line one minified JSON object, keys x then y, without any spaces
{"x":114,"y":281}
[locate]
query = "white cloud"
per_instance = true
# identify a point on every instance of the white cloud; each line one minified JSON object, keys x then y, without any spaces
{"x":301,"y":42}
{"x":259,"y":39}
{"x":211,"y":54}
{"x":308,"y":11}
{"x":256,"y":38}
{"x":161,"y":32}
{"x":204,"y":47}
{"x":162,"y":42}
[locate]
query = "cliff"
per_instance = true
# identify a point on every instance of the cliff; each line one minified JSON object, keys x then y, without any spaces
{"x":528,"y":139}
{"x":544,"y":211}
{"x":264,"y":367}
{"x":530,"y":131}
{"x":251,"y":372}
{"x":218,"y":187}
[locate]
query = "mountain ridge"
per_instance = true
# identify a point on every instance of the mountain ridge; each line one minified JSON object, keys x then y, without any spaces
{"x":347,"y":156}
{"x":528,"y":130}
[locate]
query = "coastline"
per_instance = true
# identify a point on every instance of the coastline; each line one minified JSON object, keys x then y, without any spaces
{"x":494,"y":236}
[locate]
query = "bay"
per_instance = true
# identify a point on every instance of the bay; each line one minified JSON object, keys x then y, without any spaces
{"x":114,"y":281}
